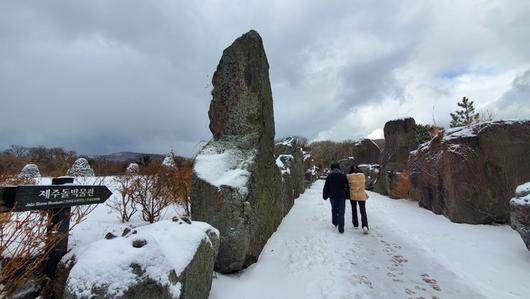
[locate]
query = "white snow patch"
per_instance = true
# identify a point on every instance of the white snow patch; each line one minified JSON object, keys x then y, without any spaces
{"x":522,"y":193}
{"x":289,"y":141}
{"x":168,"y":161}
{"x":284,"y":168}
{"x":458,"y":132}
{"x":523,"y":189}
{"x":224,"y":167}
{"x":521,"y":201}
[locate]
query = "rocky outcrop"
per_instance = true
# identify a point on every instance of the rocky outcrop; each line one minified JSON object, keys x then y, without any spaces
{"x":81,"y":168}
{"x":162,"y":260}
{"x":366,"y":151}
{"x":236,"y":185}
{"x":290,"y":161}
{"x":400,"y":139}
{"x":469,"y":174}
{"x":520,"y":212}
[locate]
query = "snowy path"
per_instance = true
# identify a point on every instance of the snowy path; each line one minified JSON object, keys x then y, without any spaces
{"x":308,"y":258}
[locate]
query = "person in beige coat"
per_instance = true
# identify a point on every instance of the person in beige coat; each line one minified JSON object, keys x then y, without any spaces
{"x":356,"y":181}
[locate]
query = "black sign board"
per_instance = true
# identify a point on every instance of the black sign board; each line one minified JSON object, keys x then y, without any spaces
{"x":26,"y":198}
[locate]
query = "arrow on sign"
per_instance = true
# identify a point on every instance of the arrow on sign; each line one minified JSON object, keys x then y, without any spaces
{"x":27,"y":198}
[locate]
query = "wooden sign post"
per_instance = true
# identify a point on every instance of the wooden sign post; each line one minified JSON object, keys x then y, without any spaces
{"x":57,"y":199}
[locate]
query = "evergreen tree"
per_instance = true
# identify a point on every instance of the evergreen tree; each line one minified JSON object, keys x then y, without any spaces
{"x":422,"y":133}
{"x":466,"y":116}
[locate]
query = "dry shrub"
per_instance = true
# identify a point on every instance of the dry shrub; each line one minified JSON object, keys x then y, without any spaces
{"x":154,"y":189}
{"x":26,"y":241}
{"x":149,"y":194}
{"x":402,"y":187}
{"x":178,"y":183}
{"x":124,"y":205}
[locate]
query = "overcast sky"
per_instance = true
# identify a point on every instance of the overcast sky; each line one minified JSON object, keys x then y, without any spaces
{"x":105,"y":76}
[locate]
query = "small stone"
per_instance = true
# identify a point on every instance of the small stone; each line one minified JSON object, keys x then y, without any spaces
{"x":175,"y":218}
{"x":139,"y":243}
{"x":186,"y":219}
{"x":110,"y":236}
{"x":126,"y":231}
{"x":134,"y":232}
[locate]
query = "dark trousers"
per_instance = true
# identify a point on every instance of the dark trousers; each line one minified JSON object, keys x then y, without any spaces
{"x":337,"y":212}
{"x":362,"y":208}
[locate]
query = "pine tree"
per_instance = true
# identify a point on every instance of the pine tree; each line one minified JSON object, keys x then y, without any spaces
{"x":466,"y":116}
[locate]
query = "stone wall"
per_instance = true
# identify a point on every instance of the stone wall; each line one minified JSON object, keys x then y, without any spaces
{"x":469,"y":174}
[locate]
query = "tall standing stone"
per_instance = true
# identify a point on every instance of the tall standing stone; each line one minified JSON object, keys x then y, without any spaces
{"x":236,"y":185}
{"x":400,"y":139}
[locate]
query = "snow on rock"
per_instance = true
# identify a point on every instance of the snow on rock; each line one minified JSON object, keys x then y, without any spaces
{"x":81,"y":168}
{"x":289,"y":141}
{"x":284,"y":163}
{"x":169,"y":161}
{"x":133,"y":168}
{"x":155,"y":259}
{"x":459,"y":132}
{"x":523,"y":190}
{"x":520,"y":212}
{"x":224,"y":164}
{"x":30,"y":170}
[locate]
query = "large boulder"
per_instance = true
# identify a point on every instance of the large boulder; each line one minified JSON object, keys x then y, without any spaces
{"x":81,"y":168}
{"x":469,"y":173}
{"x":290,"y":160}
{"x":400,"y":139}
{"x":366,"y":151}
{"x":167,"y":259}
{"x":520,"y":212}
{"x":236,"y":185}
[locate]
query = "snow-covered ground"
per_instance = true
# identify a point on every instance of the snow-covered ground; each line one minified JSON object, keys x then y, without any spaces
{"x":409,"y":253}
{"x":103,"y":219}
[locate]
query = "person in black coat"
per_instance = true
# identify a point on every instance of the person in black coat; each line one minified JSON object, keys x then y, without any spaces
{"x":337,"y":190}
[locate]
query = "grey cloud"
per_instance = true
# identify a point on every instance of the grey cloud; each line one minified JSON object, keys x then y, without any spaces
{"x":100,"y":76}
{"x":515,"y":103}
